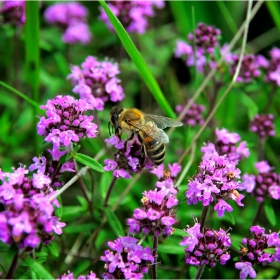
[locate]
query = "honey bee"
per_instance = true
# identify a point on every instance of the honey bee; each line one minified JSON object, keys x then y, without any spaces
{"x":148,"y":128}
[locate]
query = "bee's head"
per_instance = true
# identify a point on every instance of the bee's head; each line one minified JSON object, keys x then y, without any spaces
{"x":114,"y":117}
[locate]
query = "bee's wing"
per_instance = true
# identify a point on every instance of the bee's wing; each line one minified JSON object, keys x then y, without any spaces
{"x":162,"y":122}
{"x":151,"y":130}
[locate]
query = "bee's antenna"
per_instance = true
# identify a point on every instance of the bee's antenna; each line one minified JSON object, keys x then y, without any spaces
{"x":109,"y":126}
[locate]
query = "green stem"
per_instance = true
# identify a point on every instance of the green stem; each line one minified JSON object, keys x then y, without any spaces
{"x":155,"y":248}
{"x":260,"y":209}
{"x":200,"y":271}
{"x":109,"y":191}
{"x":203,"y":217}
{"x":13,"y":266}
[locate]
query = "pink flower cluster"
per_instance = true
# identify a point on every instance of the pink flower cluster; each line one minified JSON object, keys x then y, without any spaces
{"x":207,"y":247}
{"x":129,"y":159}
{"x":66,"y":121}
{"x":128,"y":260}
{"x":132,"y":14}
{"x":13,"y":12}
{"x":265,"y":184}
{"x":193,"y":116}
{"x":157,"y":214}
{"x":263,"y":126}
{"x":97,"y":82}
{"x":225,"y":145}
{"x":254,"y":251}
{"x":28,"y":218}
{"x":71,"y":18}
{"x":216,"y":180}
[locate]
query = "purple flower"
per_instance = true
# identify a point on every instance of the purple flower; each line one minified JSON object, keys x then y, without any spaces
{"x":249,"y":68}
{"x":226,"y":145}
{"x":132,"y":14}
{"x":54,"y":225}
{"x":246,"y":269}
{"x":191,"y":57}
{"x":110,"y":165}
{"x":248,"y":183}
{"x":129,"y":158}
{"x":274,"y":191}
{"x":183,"y":49}
{"x":39,"y":163}
{"x":67,"y":166}
{"x":263,"y":125}
{"x":206,"y":37}
{"x":77,"y":32}
{"x":254,"y":251}
{"x":271,"y":67}
{"x":163,"y":175}
{"x":216,"y":179}
{"x":127,"y":260}
{"x":97,"y":82}
{"x":221,"y":207}
{"x":66,"y":121}
{"x":13,"y":12}
{"x":206,"y":248}
{"x":263,"y":166}
{"x":40,"y":180}
{"x":265,"y":184}
{"x":70,"y":275}
{"x":157,"y":214}
{"x":29,"y":210}
{"x":193,"y":116}
{"x":71,"y":18}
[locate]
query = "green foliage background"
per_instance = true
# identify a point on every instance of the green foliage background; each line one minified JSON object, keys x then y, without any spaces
{"x":36,"y":62}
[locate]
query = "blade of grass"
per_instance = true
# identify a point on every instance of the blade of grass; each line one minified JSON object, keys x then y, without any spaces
{"x":32,"y":58}
{"x":138,"y":61}
{"x":273,"y":8}
{"x":227,"y":17}
{"x":179,"y":11}
{"x":22,"y":95}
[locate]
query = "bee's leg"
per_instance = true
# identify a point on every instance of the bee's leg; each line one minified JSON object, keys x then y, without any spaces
{"x":118,"y":133}
{"x":128,"y":139}
{"x":143,"y":155}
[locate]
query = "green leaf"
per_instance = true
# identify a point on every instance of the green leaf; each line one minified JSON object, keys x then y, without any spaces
{"x":83,"y":202}
{"x":114,"y":222}
{"x":37,"y":268}
{"x":269,"y":211}
{"x":62,"y":64}
{"x":270,"y":250}
{"x":22,"y":95}
{"x":80,"y":228}
{"x":273,"y":8}
{"x":179,"y":11}
{"x":170,"y":249}
{"x":250,"y":104}
{"x":58,"y":210}
{"x":54,"y":249}
{"x":193,"y":271}
{"x":88,"y":161}
{"x":75,"y":150}
{"x":230,"y":217}
{"x":138,"y":61}
{"x":179,"y":232}
{"x":71,"y":213}
{"x":32,"y":53}
{"x":228,"y":16}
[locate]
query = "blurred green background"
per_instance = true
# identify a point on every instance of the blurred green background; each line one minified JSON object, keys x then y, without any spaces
{"x":79,"y":247}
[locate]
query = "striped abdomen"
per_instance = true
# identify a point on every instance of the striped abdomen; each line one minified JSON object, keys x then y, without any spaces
{"x":155,"y":150}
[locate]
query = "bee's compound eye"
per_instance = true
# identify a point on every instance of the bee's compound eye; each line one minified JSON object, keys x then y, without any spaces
{"x":114,"y":118}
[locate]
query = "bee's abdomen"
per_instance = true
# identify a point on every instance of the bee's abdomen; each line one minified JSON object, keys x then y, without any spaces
{"x":156,"y":152}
